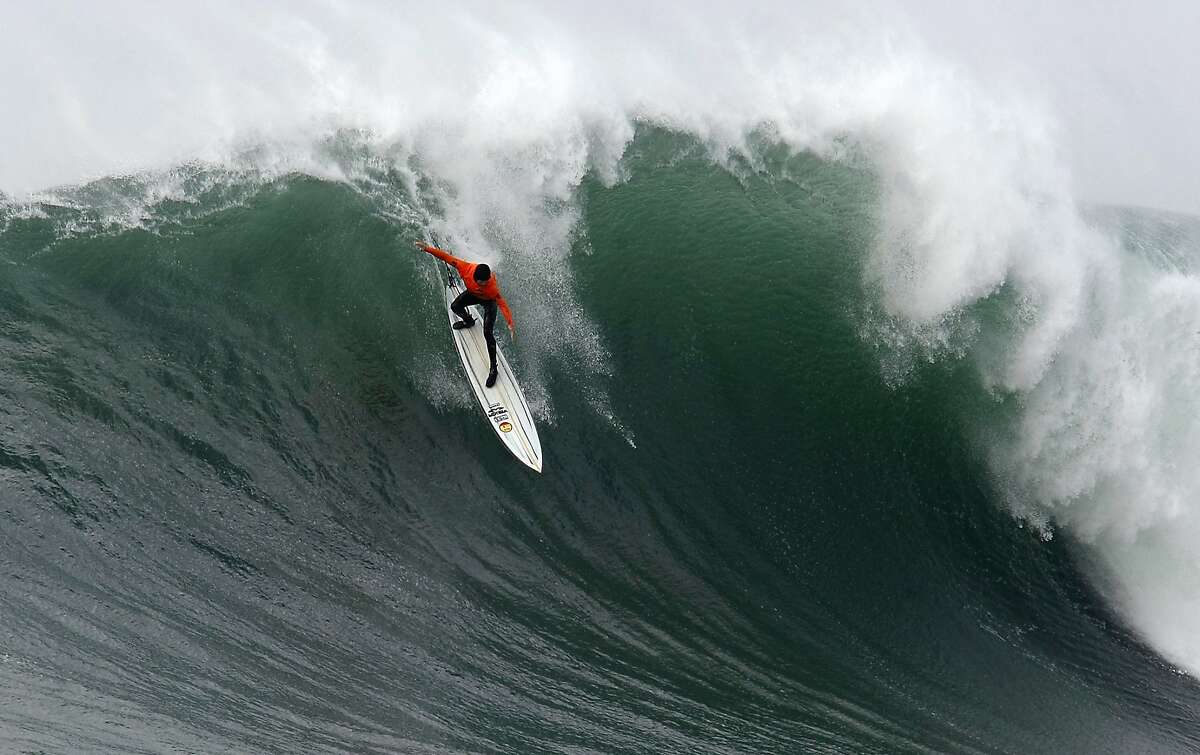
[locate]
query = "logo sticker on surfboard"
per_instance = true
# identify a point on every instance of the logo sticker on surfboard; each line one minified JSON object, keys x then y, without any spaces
{"x":506,"y":427}
{"x":498,"y":413}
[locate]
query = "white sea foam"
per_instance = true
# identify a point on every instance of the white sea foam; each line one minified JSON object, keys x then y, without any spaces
{"x":498,"y":110}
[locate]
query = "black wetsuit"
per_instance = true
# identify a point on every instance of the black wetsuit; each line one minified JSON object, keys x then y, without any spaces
{"x":466,"y":299}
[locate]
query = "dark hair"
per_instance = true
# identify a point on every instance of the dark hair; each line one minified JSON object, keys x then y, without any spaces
{"x":482,"y":273}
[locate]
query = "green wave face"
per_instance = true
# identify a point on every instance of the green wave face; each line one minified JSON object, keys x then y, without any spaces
{"x":249,"y":505}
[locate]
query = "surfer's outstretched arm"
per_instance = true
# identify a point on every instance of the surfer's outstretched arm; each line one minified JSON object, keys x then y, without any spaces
{"x":441,"y":254}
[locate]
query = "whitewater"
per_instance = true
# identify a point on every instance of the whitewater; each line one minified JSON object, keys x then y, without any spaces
{"x":857,"y":397}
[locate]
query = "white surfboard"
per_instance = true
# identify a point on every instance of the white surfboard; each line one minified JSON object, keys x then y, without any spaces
{"x":504,"y":403}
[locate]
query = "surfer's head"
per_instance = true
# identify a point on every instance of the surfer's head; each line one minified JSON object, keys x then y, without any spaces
{"x":482,"y":273}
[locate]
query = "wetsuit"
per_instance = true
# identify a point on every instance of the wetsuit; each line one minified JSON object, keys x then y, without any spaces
{"x":486,"y":294}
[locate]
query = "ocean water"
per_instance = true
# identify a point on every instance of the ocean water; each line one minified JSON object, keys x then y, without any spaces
{"x":861,"y":433}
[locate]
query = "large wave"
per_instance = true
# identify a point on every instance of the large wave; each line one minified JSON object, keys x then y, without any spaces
{"x":505,"y":111}
{"x":488,"y":127}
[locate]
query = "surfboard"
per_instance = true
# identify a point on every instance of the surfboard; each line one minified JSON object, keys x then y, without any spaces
{"x":503,"y":404}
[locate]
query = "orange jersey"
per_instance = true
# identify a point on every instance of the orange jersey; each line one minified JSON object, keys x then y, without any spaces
{"x":489,"y":289}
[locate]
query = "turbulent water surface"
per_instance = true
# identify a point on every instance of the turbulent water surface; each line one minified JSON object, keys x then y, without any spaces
{"x":861,"y":435}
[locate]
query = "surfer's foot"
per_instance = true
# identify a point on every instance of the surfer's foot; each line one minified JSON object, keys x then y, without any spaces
{"x":491,"y":378}
{"x":463,"y":324}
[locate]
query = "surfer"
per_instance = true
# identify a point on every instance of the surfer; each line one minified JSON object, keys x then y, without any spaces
{"x":482,"y":289}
